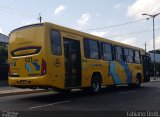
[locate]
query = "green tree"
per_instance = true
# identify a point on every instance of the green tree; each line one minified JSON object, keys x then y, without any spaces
{"x":156,"y":51}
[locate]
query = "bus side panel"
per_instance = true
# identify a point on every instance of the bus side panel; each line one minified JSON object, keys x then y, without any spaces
{"x":56,"y":70}
{"x":112,"y":72}
{"x":55,"y":63}
{"x":86,"y":74}
{"x":120,"y":70}
{"x":107,"y":77}
{"x":118,"y":73}
{"x":90,"y":66}
{"x":122,"y":73}
{"x":137,"y":68}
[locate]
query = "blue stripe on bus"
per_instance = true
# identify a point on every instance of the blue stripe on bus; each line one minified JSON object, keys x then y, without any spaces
{"x":127,"y":71}
{"x":112,"y":72}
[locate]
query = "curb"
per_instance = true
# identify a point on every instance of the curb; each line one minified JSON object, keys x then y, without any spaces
{"x":22,"y":93}
{"x":155,"y":81}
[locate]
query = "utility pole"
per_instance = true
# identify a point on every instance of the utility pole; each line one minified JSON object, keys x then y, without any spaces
{"x":145,"y":47}
{"x":154,"y":63}
{"x":40,"y":18}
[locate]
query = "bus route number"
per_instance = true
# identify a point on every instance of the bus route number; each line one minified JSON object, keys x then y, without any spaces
{"x":28,"y":59}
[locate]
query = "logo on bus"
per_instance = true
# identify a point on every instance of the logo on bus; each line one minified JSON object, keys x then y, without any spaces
{"x":57,"y":62}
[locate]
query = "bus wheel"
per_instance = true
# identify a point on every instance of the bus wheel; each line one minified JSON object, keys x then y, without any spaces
{"x":138,"y":81}
{"x":95,"y":85}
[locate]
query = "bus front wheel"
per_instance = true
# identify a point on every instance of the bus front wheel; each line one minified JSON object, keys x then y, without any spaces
{"x":95,"y":85}
{"x":138,"y":81}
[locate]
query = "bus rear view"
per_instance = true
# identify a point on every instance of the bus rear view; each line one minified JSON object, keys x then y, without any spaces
{"x":27,"y":62}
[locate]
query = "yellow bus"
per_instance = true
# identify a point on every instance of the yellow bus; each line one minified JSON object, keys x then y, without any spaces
{"x":47,"y":55}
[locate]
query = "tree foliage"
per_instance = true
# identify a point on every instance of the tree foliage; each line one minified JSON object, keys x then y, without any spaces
{"x":156,"y":51}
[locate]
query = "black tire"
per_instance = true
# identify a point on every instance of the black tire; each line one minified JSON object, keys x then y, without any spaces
{"x":138,"y":81}
{"x":95,"y":85}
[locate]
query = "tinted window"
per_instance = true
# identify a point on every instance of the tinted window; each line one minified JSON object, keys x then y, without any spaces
{"x":107,"y":51}
{"x":119,"y":54}
{"x":130,"y":52}
{"x":129,"y":55}
{"x":55,"y":42}
{"x":86,"y":48}
{"x":91,"y":49}
{"x":137,"y":57}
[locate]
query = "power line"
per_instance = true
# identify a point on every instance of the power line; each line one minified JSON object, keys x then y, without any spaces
{"x":26,"y":13}
{"x":16,"y":11}
{"x":115,"y":25}
{"x":132,"y":33}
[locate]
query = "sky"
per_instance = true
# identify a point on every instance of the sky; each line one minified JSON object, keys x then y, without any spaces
{"x":118,"y":20}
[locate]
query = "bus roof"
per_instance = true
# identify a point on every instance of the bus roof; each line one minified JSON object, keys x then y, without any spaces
{"x":76,"y":32}
{"x":91,"y":36}
{"x":27,"y":26}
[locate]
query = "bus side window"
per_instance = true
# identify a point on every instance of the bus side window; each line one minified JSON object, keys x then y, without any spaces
{"x":107,"y":51}
{"x":91,"y":49}
{"x":137,"y":57}
{"x":131,"y":56}
{"x":126,"y":53}
{"x":55,"y":37}
{"x":119,"y":54}
{"x":86,"y":48}
{"x":94,"y":49}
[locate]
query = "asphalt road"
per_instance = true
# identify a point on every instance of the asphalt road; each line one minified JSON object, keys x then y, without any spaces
{"x":119,"y":99}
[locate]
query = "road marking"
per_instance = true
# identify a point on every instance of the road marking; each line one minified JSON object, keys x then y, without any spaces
{"x":48,"y":105}
{"x":128,"y":92}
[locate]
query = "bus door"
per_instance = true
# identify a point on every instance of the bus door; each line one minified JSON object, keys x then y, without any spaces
{"x":72,"y":63}
{"x":146,"y":67}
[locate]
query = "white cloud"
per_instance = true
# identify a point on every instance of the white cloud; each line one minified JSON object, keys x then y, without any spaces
{"x":59,"y":9}
{"x":127,"y":40}
{"x":130,"y":41}
{"x":123,"y":39}
{"x":143,"y":6}
{"x":98,"y":33}
{"x":84,"y":19}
